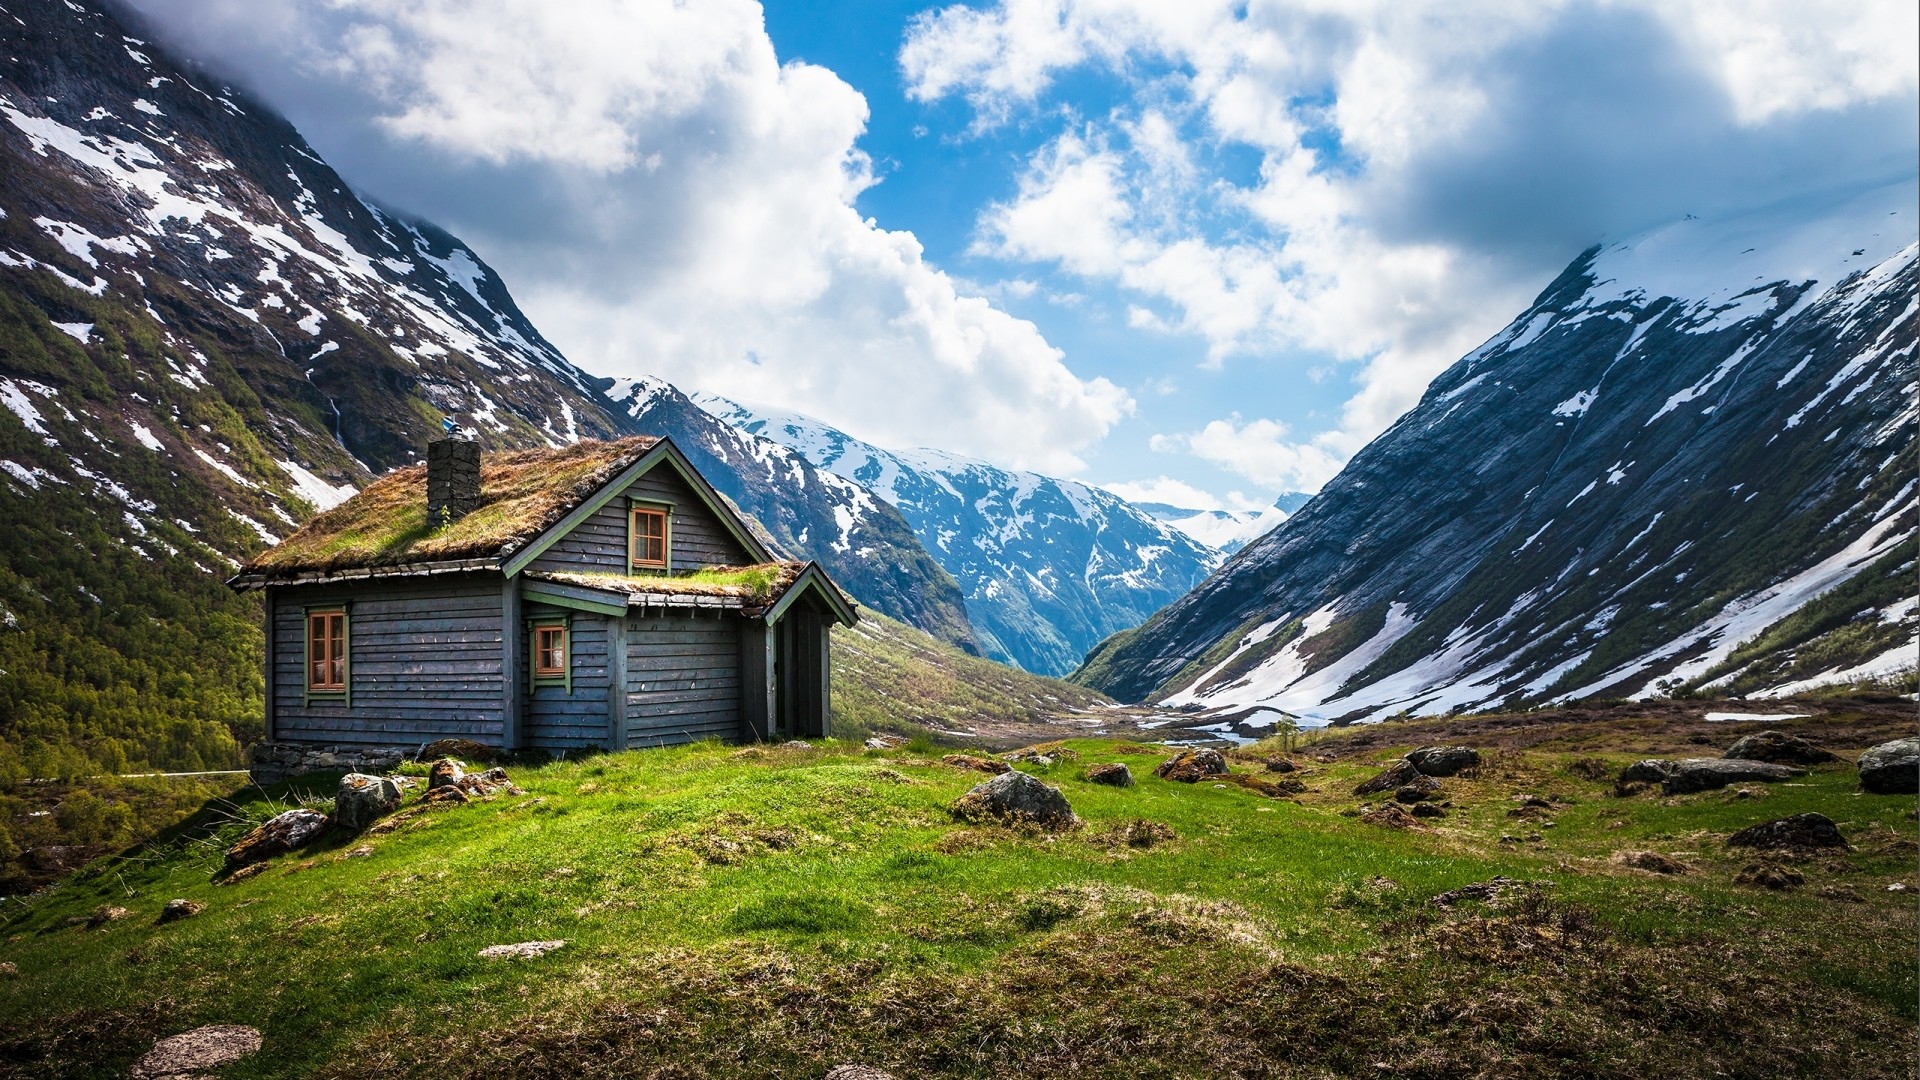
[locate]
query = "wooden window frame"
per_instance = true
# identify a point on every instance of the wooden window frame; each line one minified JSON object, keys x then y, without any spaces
{"x":563,"y":675}
{"x":342,"y":690}
{"x":664,"y":511}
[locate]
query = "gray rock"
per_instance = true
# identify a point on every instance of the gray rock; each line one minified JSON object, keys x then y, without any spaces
{"x":1191,"y":766}
{"x":1016,"y":798}
{"x":1444,"y":760}
{"x":1779,"y":748}
{"x":1419,"y":789}
{"x":1393,"y":776}
{"x":1648,"y":771}
{"x":1798,"y":831}
{"x":1113,"y":774}
{"x":1892,"y":768}
{"x":181,"y":909}
{"x":193,"y":1053}
{"x":1707,"y":774}
{"x":362,"y":800}
{"x":293,"y":829}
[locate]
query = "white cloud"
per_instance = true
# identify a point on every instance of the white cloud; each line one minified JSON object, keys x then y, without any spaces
{"x":1423,"y":167}
{"x":1172,"y":492}
{"x":1260,"y":451}
{"x":665,"y":197}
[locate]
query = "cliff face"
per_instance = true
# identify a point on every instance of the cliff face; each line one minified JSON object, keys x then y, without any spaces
{"x":1692,"y":440}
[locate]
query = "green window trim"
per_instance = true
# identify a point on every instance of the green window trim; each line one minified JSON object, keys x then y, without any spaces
{"x":344,"y":695}
{"x":665,"y":509}
{"x":535,"y":679}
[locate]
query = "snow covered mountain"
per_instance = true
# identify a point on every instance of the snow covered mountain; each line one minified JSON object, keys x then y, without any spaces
{"x":1226,"y":531}
{"x":1689,"y":464}
{"x":205,"y":335}
{"x":1049,"y":567}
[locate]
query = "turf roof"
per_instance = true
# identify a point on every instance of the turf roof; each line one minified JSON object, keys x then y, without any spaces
{"x":523,"y":493}
{"x":758,"y":587}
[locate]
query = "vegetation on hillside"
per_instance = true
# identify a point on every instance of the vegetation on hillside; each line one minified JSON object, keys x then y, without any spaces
{"x":775,"y":911}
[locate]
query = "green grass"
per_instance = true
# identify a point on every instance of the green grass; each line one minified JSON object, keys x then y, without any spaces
{"x":762,"y":911}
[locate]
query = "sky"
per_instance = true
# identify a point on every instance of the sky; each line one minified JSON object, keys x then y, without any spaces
{"x":1195,"y":252}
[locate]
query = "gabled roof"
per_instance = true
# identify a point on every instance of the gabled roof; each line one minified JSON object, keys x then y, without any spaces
{"x":528,"y":498}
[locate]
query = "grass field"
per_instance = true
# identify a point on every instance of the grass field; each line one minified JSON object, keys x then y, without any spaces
{"x":763,"y":911}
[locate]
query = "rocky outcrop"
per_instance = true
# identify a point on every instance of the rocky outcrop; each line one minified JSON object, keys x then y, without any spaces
{"x":1708,"y":774}
{"x":1779,"y":748}
{"x":1800,"y":831}
{"x":1646,"y":771}
{"x":1892,"y":768}
{"x":1444,"y":760}
{"x":1112,"y":774}
{"x":1014,"y":798}
{"x":277,"y":836}
{"x":196,"y":1053}
{"x":1191,"y":766}
{"x":1395,"y":775}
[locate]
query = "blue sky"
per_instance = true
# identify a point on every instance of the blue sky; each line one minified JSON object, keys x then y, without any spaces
{"x":1203,"y":250}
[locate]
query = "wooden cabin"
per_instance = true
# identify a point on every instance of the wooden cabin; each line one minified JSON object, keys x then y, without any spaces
{"x":598,"y":595}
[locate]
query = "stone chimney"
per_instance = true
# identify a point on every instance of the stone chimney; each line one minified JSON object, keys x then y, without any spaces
{"x":453,"y":480}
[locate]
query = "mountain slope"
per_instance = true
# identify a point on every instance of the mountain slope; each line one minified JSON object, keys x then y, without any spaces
{"x":1049,"y":567}
{"x":1226,"y":531}
{"x":1685,"y":440}
{"x":205,"y":336}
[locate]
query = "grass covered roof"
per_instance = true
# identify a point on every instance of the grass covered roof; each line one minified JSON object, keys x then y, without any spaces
{"x":523,"y":493}
{"x":757,"y":587}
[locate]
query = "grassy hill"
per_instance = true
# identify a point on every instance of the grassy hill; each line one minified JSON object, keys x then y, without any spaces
{"x":761,"y":911}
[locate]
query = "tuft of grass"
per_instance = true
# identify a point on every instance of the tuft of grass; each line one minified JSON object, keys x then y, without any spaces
{"x":800,"y":913}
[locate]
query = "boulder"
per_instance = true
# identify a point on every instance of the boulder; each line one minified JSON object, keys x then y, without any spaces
{"x":445,"y":772}
{"x":181,"y":909}
{"x":362,"y":800}
{"x":1393,"y":776}
{"x":1892,"y":768}
{"x":1016,"y":798}
{"x":1112,"y":774}
{"x":1191,"y":766}
{"x":1708,"y":774}
{"x":1428,"y":810}
{"x":1779,"y":748}
{"x":293,"y":829}
{"x":465,"y":749}
{"x":1648,"y":771}
{"x":1280,"y":764}
{"x":1798,"y":831}
{"x":196,"y":1052}
{"x":1444,"y":760}
{"x":1419,"y":789}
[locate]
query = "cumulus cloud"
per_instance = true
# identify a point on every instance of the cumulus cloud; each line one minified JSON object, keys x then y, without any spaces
{"x":1422,"y":166}
{"x":1178,"y":493}
{"x":665,"y":197}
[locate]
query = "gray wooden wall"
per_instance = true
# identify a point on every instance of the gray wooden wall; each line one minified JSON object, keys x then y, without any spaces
{"x":683,"y":678}
{"x":424,"y":659}
{"x":559,"y":719}
{"x":599,"y":544}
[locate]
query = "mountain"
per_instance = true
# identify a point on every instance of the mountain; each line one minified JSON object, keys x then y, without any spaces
{"x":1689,"y":464}
{"x":1226,"y":531}
{"x":1049,"y":567}
{"x":205,"y":336}
{"x":861,"y":540}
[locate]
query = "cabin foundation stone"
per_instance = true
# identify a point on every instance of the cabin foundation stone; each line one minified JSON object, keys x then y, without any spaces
{"x":270,"y":763}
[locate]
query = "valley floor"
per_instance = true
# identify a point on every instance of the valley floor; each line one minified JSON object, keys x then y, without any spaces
{"x":763,"y":911}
